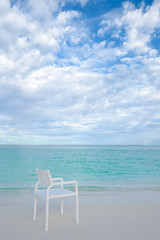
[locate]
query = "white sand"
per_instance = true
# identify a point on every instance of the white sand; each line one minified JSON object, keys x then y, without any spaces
{"x":124,"y":216}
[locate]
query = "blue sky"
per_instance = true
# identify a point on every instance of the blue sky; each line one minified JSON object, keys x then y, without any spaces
{"x":79,"y":72}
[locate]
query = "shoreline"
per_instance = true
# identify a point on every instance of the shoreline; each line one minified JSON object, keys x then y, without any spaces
{"x":86,"y":192}
{"x":89,"y":196}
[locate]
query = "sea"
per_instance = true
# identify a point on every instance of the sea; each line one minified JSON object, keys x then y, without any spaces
{"x":95,"y":167}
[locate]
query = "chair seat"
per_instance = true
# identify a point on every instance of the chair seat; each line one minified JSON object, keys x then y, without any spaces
{"x":56,"y":193}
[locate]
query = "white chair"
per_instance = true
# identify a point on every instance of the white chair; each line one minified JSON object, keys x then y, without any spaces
{"x":46,"y":183}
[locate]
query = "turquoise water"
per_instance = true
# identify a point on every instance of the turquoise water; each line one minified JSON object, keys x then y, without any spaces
{"x":95,"y":167}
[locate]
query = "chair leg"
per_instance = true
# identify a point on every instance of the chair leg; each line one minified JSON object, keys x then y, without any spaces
{"x":46,"y":220}
{"x":35,"y":208}
{"x":62,"y":206}
{"x":77,"y":210}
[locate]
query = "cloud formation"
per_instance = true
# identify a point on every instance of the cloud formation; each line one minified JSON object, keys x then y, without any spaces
{"x":63,"y":81}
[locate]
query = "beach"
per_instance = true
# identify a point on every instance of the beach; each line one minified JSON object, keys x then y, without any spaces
{"x":119,"y":193}
{"x":103,"y":215}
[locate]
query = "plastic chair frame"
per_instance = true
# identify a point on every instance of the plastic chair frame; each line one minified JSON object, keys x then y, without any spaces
{"x":48,"y":195}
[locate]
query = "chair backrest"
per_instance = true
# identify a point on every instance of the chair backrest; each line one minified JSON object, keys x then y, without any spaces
{"x":44,"y":177}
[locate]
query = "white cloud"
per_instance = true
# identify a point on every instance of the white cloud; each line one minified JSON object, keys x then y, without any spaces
{"x":43,"y":10}
{"x":6,"y":64}
{"x":5,"y":118}
{"x":83,"y":2}
{"x":57,"y":81}
{"x":139,"y":25}
{"x":4,"y":7}
{"x":65,"y":16}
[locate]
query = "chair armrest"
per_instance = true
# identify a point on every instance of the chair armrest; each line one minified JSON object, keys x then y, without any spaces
{"x":56,"y":182}
{"x":72,"y":182}
{"x":57,"y":179}
{"x":64,"y":183}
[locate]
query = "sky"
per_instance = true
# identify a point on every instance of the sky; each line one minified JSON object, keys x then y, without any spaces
{"x":79,"y":72}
